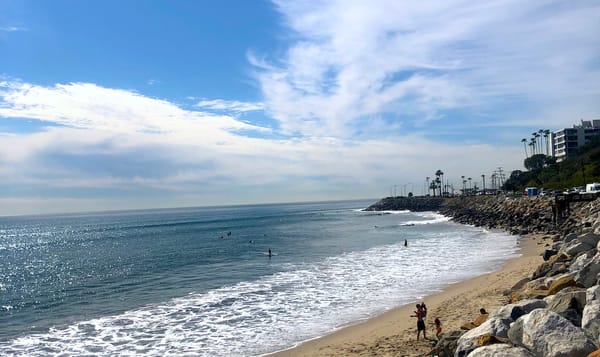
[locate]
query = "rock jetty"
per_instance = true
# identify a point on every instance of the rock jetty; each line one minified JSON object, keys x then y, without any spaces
{"x":553,"y":313}
{"x":415,"y":204}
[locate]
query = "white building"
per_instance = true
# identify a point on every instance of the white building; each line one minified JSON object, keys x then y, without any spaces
{"x":566,"y":141}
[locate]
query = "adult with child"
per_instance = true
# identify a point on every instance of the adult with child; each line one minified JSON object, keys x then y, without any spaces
{"x":420,"y":322}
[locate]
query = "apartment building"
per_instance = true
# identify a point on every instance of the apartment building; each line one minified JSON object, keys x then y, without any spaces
{"x":566,"y":141}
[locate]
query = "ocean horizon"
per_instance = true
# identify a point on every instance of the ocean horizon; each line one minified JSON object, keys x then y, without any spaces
{"x":200,"y":280}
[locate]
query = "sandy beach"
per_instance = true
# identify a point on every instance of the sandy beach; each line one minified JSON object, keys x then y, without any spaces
{"x":394,"y":332}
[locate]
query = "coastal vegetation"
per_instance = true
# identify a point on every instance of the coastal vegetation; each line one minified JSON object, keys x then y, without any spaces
{"x":544,"y":171}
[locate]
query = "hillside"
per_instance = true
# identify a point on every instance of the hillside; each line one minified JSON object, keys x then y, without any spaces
{"x":543,"y":171}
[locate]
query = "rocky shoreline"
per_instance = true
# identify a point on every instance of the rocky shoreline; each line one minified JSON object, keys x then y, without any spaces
{"x":555,"y":311}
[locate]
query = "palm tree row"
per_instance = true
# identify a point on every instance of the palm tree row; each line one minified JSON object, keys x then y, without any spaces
{"x":436,"y":187}
{"x":536,"y":143}
{"x":436,"y":184}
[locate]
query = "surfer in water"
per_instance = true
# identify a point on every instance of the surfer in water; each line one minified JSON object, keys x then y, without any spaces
{"x":270,"y":253}
{"x":406,"y":243}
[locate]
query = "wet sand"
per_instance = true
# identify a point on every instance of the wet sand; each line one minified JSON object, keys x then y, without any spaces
{"x":394,"y":332}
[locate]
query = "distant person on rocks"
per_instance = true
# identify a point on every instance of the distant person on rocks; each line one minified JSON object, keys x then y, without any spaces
{"x":420,"y":322}
{"x":483,"y":315}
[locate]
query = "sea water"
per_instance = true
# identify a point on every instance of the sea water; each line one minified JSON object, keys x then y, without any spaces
{"x":200,"y":282}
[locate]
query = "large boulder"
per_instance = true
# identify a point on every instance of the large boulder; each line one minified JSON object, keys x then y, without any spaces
{"x":564,"y":281}
{"x":576,"y":247}
{"x":446,"y":346}
{"x":593,"y":293}
{"x":590,"y":320}
{"x":588,"y":275}
{"x":548,"y":334}
{"x":517,"y":309}
{"x":583,"y":259}
{"x":569,"y":304}
{"x":570,"y":237}
{"x":549,"y":268}
{"x":590,"y":239}
{"x":501,"y":350}
{"x":560,"y":302}
{"x":491,"y":329}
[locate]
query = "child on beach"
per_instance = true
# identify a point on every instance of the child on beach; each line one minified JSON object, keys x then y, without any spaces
{"x":438,"y":327}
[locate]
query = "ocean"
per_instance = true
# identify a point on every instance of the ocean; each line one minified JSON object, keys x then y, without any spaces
{"x":200,"y":282}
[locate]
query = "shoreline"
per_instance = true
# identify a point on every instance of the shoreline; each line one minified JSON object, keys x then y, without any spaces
{"x":394,"y":332}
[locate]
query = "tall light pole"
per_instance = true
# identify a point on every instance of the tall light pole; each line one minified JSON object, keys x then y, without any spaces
{"x":483,"y":178}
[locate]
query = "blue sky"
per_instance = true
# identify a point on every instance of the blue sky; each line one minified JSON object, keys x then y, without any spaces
{"x":140,"y":104}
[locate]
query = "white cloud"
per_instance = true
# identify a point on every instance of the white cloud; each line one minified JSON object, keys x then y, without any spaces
{"x":417,"y":60}
{"x":12,"y":29}
{"x":88,"y":106}
{"x":230,"y":105}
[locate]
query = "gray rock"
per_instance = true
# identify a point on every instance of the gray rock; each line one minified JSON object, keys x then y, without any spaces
{"x":570,"y":237}
{"x":548,"y":334}
{"x":590,"y":239}
{"x":446,"y":346}
{"x":576,"y":247}
{"x":590,"y":320}
{"x":560,"y":301}
{"x":507,"y":311}
{"x":581,"y":261}
{"x":496,"y":327}
{"x":588,"y":275}
{"x":501,"y":350}
{"x":515,"y":332}
{"x":593,"y":293}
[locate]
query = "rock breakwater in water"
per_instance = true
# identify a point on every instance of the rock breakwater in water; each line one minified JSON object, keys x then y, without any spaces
{"x":415,"y":204}
{"x":555,"y":311}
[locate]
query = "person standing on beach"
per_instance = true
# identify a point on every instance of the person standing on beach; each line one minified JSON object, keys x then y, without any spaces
{"x":420,"y":323}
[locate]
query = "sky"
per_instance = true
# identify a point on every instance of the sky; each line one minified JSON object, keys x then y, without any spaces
{"x":110,"y":105}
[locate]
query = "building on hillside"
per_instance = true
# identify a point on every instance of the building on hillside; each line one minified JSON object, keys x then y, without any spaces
{"x":566,"y":141}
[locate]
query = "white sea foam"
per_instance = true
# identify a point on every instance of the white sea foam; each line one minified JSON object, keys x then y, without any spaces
{"x":428,"y":218}
{"x":379,"y":213}
{"x":282,"y":309}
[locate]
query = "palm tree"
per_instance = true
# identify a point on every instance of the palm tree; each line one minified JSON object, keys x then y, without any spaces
{"x":463,"y":182}
{"x":432,"y":187}
{"x":547,"y":135}
{"x":538,"y":146}
{"x":470,"y":187}
{"x":440,"y":179}
{"x":483,"y":179}
{"x":428,"y":188}
{"x":532,"y":144}
{"x":524,"y":141}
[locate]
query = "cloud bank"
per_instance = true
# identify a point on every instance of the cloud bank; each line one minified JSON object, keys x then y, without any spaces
{"x":418,"y":62}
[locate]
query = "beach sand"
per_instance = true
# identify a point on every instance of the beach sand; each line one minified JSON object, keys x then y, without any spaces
{"x":394,"y":332}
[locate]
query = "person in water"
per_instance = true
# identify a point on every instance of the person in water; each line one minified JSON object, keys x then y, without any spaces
{"x":405,"y":243}
{"x":270,"y":253}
